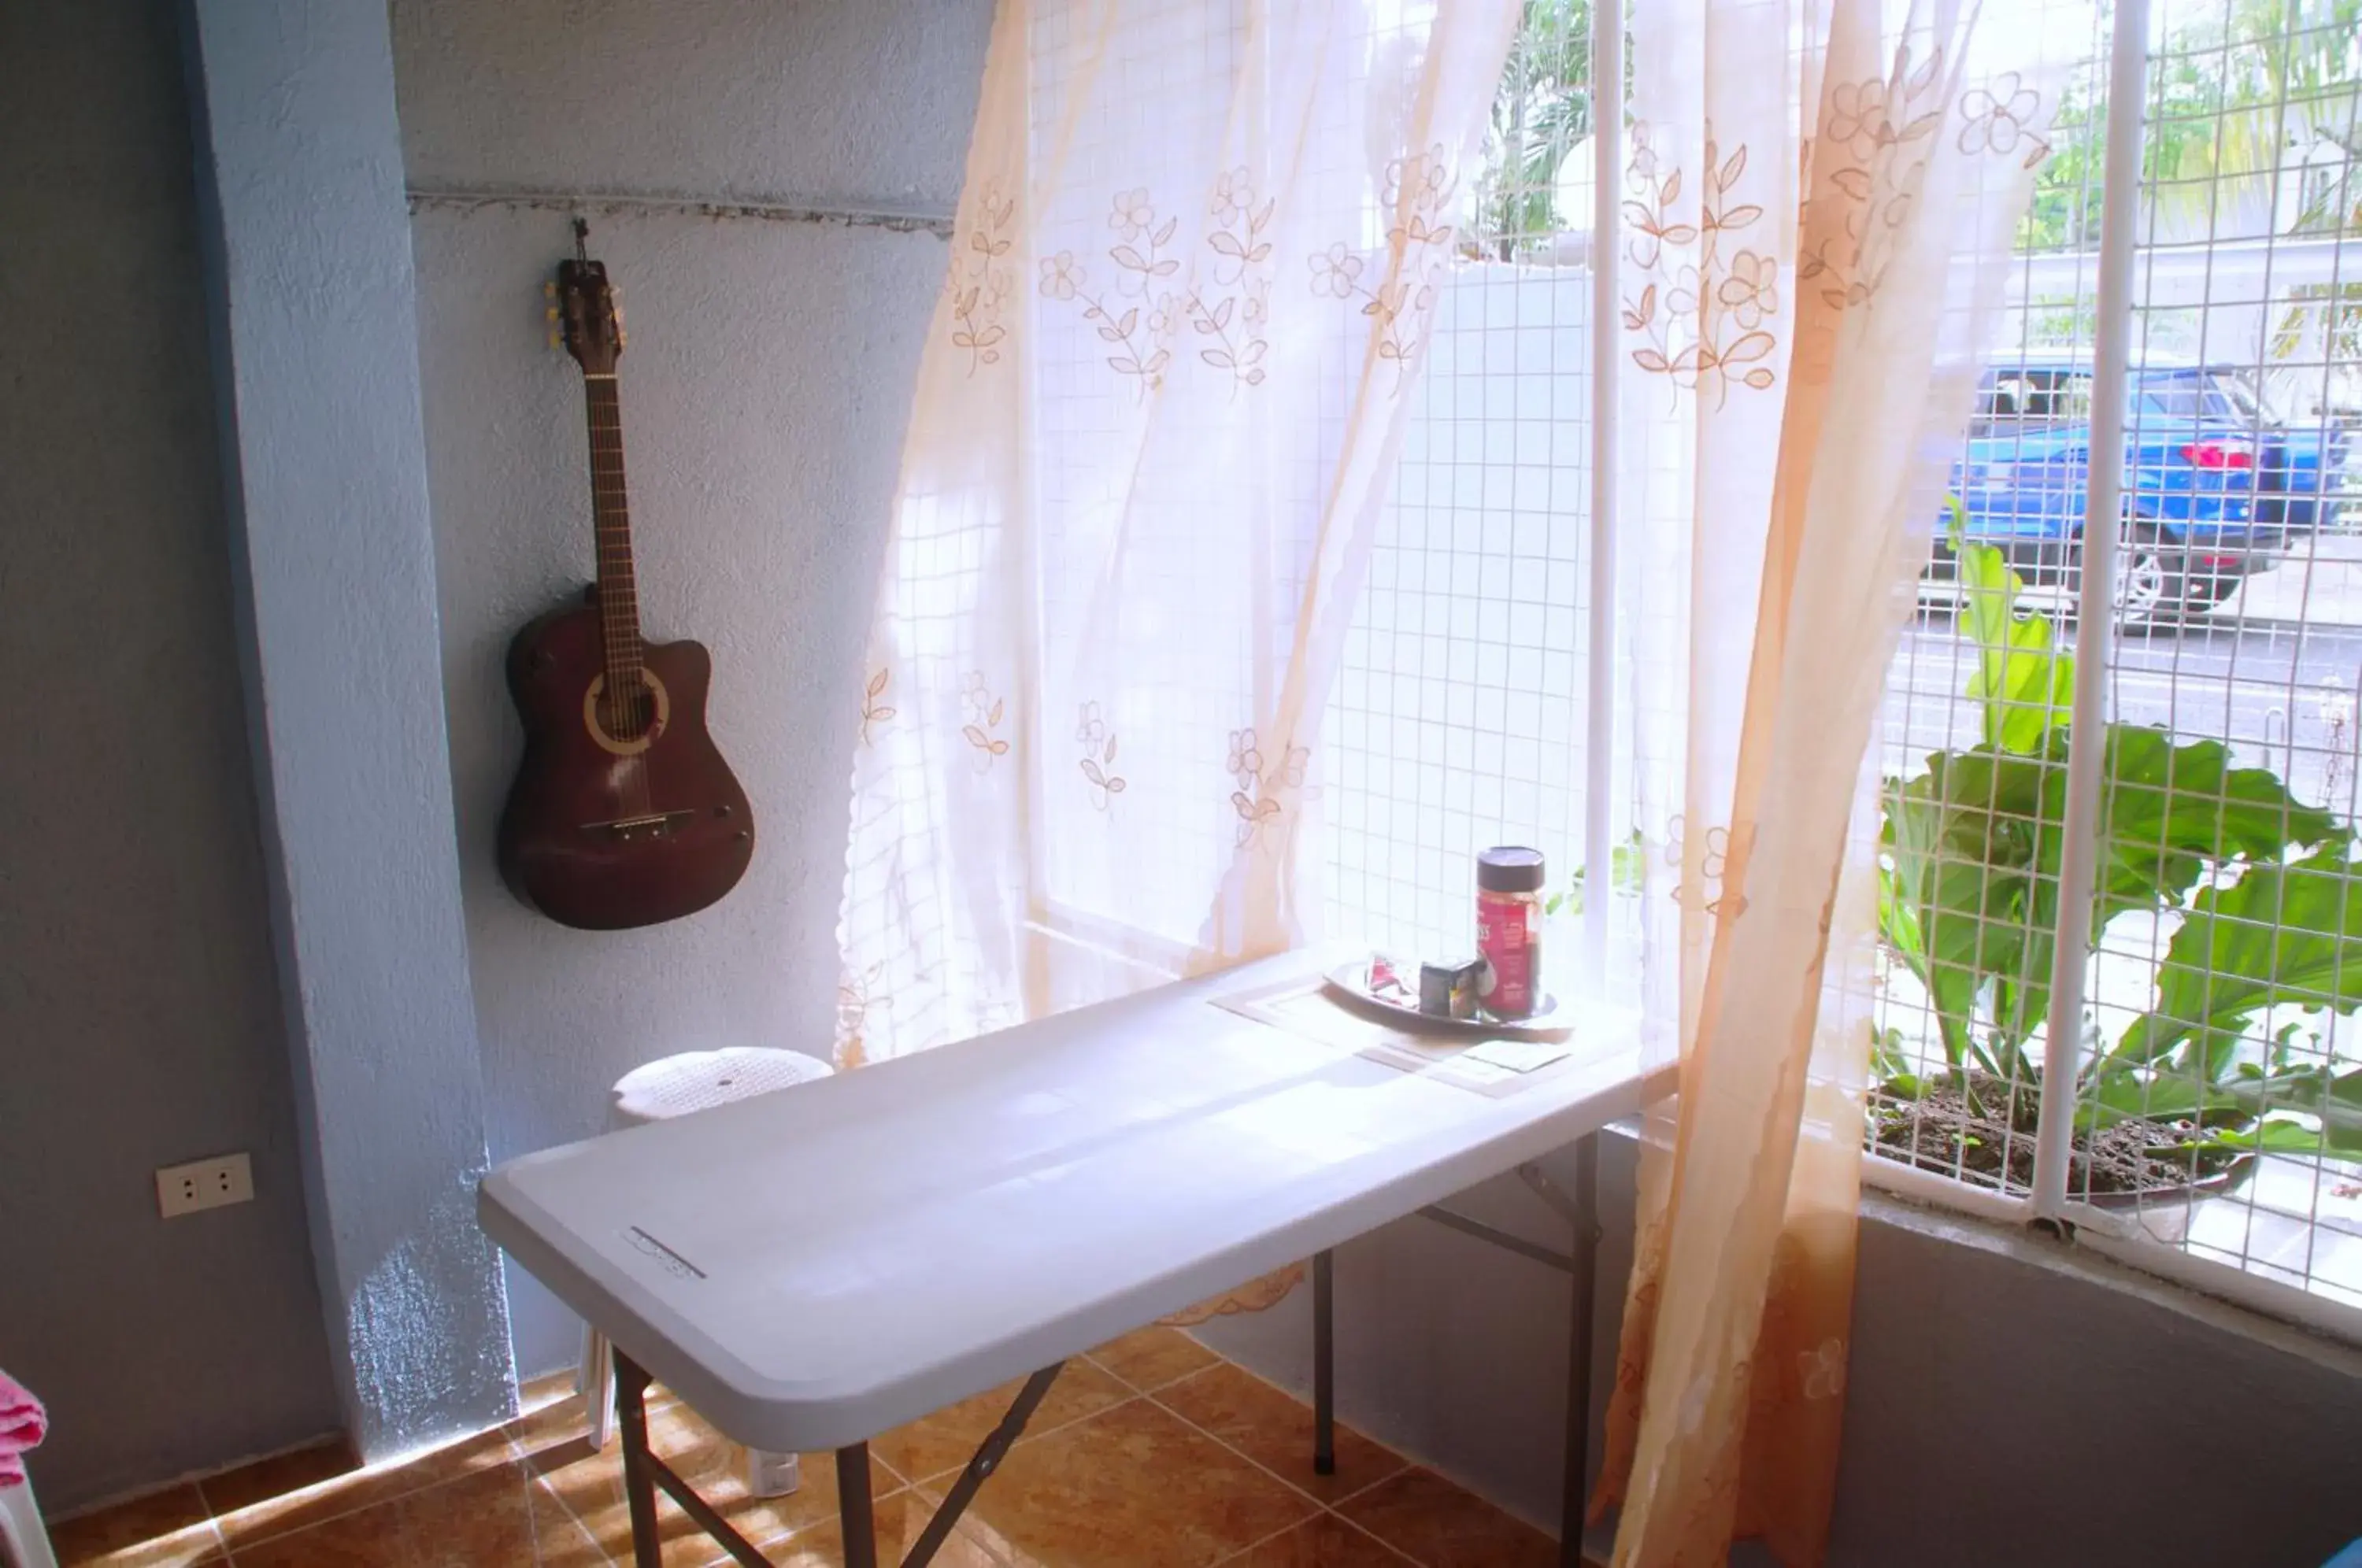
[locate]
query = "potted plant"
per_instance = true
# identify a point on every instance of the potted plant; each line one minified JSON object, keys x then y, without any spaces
{"x":2264,"y":888}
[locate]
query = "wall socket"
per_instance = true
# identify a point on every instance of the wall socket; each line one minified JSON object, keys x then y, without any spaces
{"x":205,"y":1184}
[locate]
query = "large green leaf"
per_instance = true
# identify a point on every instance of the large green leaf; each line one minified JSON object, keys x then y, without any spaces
{"x":2335,"y":1101}
{"x":1961,"y":844}
{"x":1975,"y":845}
{"x":2281,"y":935}
{"x":2168,"y":810}
{"x":2025,"y":683}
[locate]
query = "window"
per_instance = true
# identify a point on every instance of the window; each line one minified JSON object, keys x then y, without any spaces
{"x":2218,"y":1077}
{"x":1458,"y":716}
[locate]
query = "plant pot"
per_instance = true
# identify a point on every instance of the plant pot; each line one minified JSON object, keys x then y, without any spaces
{"x":2164,"y":1213}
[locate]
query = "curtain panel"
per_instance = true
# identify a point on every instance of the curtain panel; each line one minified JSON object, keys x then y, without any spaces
{"x":1819,"y":202}
{"x":1194,"y":266}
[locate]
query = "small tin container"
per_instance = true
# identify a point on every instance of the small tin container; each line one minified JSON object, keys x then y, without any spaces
{"x":1449,"y":991}
{"x":1509,"y":928}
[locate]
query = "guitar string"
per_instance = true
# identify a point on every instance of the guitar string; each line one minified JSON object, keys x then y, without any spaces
{"x":628,"y":703}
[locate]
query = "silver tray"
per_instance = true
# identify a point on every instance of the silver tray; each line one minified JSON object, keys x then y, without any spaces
{"x":1352,"y":983}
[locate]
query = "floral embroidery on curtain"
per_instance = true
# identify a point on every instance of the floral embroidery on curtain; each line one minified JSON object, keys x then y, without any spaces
{"x":1419,"y":191}
{"x":979,"y":283}
{"x":1713,"y":315}
{"x":984,"y":712}
{"x":1099,"y":757}
{"x":874,"y":710}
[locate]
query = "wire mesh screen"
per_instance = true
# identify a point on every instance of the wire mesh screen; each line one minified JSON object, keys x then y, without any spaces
{"x":2219,"y":1095}
{"x":1458,"y":716}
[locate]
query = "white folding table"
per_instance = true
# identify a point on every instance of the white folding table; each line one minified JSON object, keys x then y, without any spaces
{"x":809,"y":1270}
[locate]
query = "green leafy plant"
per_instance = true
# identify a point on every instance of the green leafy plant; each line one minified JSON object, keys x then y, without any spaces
{"x":2270,"y":901}
{"x":1628,"y":863}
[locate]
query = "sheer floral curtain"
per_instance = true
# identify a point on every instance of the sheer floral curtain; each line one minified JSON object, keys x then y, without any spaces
{"x":1194,"y":266}
{"x":1820,"y":201}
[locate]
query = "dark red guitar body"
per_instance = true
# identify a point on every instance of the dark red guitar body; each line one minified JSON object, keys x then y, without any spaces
{"x":604,"y":840}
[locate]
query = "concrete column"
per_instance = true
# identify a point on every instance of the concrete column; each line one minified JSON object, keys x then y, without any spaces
{"x":315,"y":348}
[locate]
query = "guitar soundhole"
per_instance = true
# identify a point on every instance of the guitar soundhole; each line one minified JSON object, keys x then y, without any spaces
{"x":625,"y":717}
{"x":629,"y":726}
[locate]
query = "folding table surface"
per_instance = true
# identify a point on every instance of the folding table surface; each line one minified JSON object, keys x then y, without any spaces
{"x":810,"y":1268}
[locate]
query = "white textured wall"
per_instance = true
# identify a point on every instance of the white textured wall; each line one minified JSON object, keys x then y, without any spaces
{"x":766,"y":389}
{"x":298,"y":169}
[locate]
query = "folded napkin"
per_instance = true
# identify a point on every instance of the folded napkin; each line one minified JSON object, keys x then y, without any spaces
{"x":23,"y":1424}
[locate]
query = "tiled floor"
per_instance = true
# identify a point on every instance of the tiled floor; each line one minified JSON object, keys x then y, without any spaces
{"x":1150,"y":1452}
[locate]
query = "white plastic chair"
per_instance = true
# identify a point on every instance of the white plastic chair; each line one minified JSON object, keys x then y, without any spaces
{"x":24,"y":1540}
{"x":675,"y":1086}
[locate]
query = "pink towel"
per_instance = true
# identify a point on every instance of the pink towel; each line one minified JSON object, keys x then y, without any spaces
{"x":23,"y":1424}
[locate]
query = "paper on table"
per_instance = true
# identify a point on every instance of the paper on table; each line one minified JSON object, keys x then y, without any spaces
{"x":1519,"y":1056}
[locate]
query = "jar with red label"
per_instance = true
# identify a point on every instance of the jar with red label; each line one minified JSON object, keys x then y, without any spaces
{"x":1510,"y":929}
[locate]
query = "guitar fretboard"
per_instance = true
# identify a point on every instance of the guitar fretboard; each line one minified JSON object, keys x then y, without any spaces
{"x":619,"y":602}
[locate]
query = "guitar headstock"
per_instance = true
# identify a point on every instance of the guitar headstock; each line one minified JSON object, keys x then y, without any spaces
{"x":589,"y":322}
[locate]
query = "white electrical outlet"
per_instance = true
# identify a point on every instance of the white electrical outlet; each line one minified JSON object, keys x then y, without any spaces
{"x":205,"y":1184}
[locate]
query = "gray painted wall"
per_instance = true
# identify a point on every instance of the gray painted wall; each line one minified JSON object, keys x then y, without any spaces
{"x":308,"y":259}
{"x":140,"y":1022}
{"x":2008,"y":1402}
{"x":766,"y":389}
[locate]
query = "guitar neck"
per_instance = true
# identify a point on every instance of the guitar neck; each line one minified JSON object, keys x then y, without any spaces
{"x":619,"y":599}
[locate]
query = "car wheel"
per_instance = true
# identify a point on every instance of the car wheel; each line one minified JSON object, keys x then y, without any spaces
{"x":2153,"y":587}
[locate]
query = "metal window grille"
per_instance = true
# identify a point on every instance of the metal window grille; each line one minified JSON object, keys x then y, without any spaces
{"x":2227,"y":643}
{"x":1461,"y":705}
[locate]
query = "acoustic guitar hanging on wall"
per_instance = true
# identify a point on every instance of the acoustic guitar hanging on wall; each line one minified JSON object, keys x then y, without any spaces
{"x":624,"y":813}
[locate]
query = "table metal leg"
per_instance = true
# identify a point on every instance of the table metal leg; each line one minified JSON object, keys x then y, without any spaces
{"x":988,"y":1455}
{"x":853,"y":1511}
{"x":1585,"y":1219}
{"x":1324,"y":1366}
{"x":639,"y":1478}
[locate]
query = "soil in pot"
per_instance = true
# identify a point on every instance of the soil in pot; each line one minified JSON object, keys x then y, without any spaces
{"x":1983,"y":1132}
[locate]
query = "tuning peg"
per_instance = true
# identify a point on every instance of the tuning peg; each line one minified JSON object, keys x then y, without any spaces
{"x":554,"y":342}
{"x":550,"y":290}
{"x":551,"y":314}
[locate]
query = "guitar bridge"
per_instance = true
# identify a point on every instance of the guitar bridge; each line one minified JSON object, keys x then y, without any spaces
{"x":653,"y":824}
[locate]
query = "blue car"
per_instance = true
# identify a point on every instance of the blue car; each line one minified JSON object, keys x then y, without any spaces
{"x":2214,"y":486}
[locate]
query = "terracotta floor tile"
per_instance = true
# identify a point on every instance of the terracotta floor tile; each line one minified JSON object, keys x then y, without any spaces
{"x":1134,"y":1486}
{"x":496,"y":1515}
{"x":249,"y":1511}
{"x":1324,"y":1543}
{"x":590,"y":1486}
{"x":1273,"y":1428}
{"x":1151,"y":1358}
{"x":901,"y":1519}
{"x":933,"y":1445}
{"x":1443,"y":1526}
{"x":171,"y":1528}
